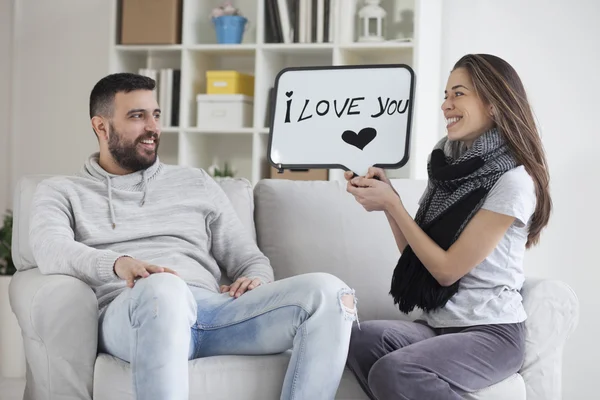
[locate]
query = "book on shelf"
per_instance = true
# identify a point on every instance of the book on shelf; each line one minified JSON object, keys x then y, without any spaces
{"x":168,"y":87}
{"x":270,"y":107}
{"x":299,"y":21}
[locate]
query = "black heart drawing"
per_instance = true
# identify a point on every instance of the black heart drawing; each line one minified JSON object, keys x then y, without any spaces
{"x":289,"y":94}
{"x":360,"y":139}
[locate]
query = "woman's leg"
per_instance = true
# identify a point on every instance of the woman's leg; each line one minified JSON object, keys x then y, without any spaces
{"x":375,"y":339}
{"x":448,"y":365}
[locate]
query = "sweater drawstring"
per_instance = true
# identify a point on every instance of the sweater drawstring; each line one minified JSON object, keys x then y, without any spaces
{"x":110,"y":204}
{"x":145,"y":183}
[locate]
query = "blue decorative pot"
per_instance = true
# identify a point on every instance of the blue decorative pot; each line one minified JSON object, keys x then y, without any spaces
{"x":230,"y":28}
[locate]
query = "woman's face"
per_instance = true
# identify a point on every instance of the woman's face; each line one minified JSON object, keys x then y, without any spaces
{"x":466,"y":115}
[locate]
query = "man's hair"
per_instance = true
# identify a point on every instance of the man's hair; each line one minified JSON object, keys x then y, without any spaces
{"x":103,"y":94}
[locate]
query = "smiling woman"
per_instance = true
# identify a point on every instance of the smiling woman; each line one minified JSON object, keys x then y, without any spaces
{"x":461,"y":262}
{"x":466,"y":115}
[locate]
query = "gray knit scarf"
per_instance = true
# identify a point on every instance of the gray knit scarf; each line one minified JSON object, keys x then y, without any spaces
{"x":459,"y":181}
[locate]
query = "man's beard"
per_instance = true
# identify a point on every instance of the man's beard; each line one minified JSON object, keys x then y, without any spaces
{"x":126,"y":153}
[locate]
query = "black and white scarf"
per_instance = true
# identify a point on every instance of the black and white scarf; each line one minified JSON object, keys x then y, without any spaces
{"x":459,"y":181}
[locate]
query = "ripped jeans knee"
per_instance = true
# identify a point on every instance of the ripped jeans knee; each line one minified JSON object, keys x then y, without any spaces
{"x":347,"y":301}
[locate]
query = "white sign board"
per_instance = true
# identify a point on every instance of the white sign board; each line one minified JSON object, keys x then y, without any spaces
{"x":348,"y":117}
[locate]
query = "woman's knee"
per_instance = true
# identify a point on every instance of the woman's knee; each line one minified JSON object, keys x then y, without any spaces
{"x":367,"y":344}
{"x":367,"y":335}
{"x":402,"y":373}
{"x":387,"y":376}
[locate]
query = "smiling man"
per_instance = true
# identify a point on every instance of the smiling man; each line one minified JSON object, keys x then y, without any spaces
{"x":151,"y":239}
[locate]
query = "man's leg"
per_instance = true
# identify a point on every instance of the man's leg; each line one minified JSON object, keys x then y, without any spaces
{"x":149,"y":326}
{"x":448,"y":365}
{"x":375,"y":339}
{"x":311,"y":314}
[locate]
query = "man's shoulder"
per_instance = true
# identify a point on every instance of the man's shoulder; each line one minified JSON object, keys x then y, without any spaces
{"x":63,"y":182}
{"x":61,"y":187}
{"x":184,"y":173}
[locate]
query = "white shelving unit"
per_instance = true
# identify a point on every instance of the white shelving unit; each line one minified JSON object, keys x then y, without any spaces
{"x":246,"y":148}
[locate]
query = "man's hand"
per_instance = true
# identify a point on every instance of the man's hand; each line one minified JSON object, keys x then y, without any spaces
{"x":240,"y":286}
{"x":129,"y":269}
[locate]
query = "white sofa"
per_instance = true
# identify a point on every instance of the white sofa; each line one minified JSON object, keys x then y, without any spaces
{"x":302,"y":226}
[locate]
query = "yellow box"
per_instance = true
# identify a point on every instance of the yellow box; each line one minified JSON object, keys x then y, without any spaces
{"x":229,"y":82}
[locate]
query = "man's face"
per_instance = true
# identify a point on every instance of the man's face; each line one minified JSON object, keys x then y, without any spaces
{"x":134,"y":130}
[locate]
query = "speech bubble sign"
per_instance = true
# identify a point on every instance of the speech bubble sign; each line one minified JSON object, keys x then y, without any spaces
{"x":350,"y":117}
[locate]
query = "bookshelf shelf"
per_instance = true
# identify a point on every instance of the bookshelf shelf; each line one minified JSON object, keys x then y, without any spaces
{"x":188,"y":143}
{"x":378,"y":46}
{"x":145,"y":49}
{"x":207,"y":131}
{"x":299,"y":48}
{"x":211,"y":49}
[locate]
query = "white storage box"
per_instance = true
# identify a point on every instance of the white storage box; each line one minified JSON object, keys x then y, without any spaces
{"x":224,"y":111}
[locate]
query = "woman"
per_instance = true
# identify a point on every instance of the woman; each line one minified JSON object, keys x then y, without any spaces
{"x":486,"y":202}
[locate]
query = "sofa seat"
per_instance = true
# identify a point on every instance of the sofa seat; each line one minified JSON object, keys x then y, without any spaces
{"x":253,"y":377}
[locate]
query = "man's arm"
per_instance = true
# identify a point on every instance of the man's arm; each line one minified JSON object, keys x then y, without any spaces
{"x":232,"y":246}
{"x":53,"y":245}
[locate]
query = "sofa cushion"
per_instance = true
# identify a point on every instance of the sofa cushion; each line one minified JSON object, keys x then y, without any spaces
{"x":256,"y":378}
{"x":217,"y":378}
{"x":238,"y":190}
{"x":512,"y":388}
{"x":21,"y":252}
{"x":310,"y":226}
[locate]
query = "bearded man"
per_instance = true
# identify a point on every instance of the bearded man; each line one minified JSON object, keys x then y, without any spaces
{"x":151,"y":239}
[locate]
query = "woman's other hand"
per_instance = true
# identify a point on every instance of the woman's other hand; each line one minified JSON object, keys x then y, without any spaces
{"x":372,"y":194}
{"x":348,"y":175}
{"x":378,"y":173}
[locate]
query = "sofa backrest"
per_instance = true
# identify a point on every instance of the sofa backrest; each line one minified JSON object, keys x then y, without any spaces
{"x":301,"y":226}
{"x":238,"y":190}
{"x":317,"y":226}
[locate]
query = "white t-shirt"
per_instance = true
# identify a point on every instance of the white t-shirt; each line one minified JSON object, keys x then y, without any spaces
{"x":490,"y":292}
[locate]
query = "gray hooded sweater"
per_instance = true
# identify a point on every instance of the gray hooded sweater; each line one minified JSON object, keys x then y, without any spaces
{"x":170,"y":216}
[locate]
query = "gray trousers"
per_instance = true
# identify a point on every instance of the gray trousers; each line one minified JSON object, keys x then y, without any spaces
{"x":412,"y":361}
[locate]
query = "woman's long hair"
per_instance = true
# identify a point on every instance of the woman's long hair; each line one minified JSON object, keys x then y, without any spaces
{"x":498,"y":84}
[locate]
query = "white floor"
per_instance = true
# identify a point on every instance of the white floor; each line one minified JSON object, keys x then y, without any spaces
{"x":11,"y":389}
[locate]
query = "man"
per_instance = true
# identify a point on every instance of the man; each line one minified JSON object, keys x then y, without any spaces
{"x":149,"y":239}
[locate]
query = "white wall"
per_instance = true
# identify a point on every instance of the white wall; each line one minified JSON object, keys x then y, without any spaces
{"x":61,"y":51}
{"x":5,"y":82}
{"x":427,"y":128}
{"x":555,"y":47}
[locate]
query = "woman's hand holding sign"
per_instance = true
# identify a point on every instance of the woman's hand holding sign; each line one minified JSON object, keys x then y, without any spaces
{"x":374,"y":191}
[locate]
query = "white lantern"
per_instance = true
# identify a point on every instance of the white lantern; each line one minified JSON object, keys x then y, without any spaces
{"x":371,"y":18}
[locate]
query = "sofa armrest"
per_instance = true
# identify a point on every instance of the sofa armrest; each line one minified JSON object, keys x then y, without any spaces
{"x":58,"y":315}
{"x":553,"y":313}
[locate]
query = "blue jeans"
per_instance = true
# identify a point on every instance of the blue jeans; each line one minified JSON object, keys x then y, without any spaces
{"x":161,"y":323}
